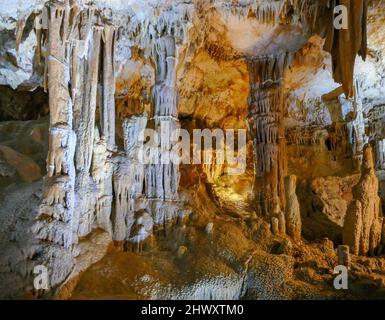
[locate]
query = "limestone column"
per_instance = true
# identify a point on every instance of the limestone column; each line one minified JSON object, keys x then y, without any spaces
{"x":266,"y":112}
{"x":55,"y":219}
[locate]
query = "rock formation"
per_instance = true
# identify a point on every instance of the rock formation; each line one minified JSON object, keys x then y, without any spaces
{"x":363,"y":223}
{"x":95,"y":97}
{"x":266,"y":110}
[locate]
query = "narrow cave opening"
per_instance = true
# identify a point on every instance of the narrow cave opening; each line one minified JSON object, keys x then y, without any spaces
{"x":21,"y":105}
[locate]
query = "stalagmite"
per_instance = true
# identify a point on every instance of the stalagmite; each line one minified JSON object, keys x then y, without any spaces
{"x":344,"y":256}
{"x":282,"y":223}
{"x":182,"y":251}
{"x":292,"y":213}
{"x":278,"y":218}
{"x":364,"y":220}
{"x":141,"y":231}
{"x":209,"y":228}
{"x":275,"y":226}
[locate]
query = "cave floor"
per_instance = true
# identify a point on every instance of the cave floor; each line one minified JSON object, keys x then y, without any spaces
{"x":236,"y":261}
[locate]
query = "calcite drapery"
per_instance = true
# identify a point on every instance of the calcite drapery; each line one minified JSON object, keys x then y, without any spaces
{"x":266,"y":111}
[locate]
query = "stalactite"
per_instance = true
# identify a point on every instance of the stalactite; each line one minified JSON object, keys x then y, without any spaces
{"x":306,"y":136}
{"x":85,"y":132}
{"x":345,"y":44}
{"x":275,"y":12}
{"x":108,"y":104}
{"x":41,"y":30}
{"x":340,"y":140}
{"x":19,"y":32}
{"x":85,"y":187}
